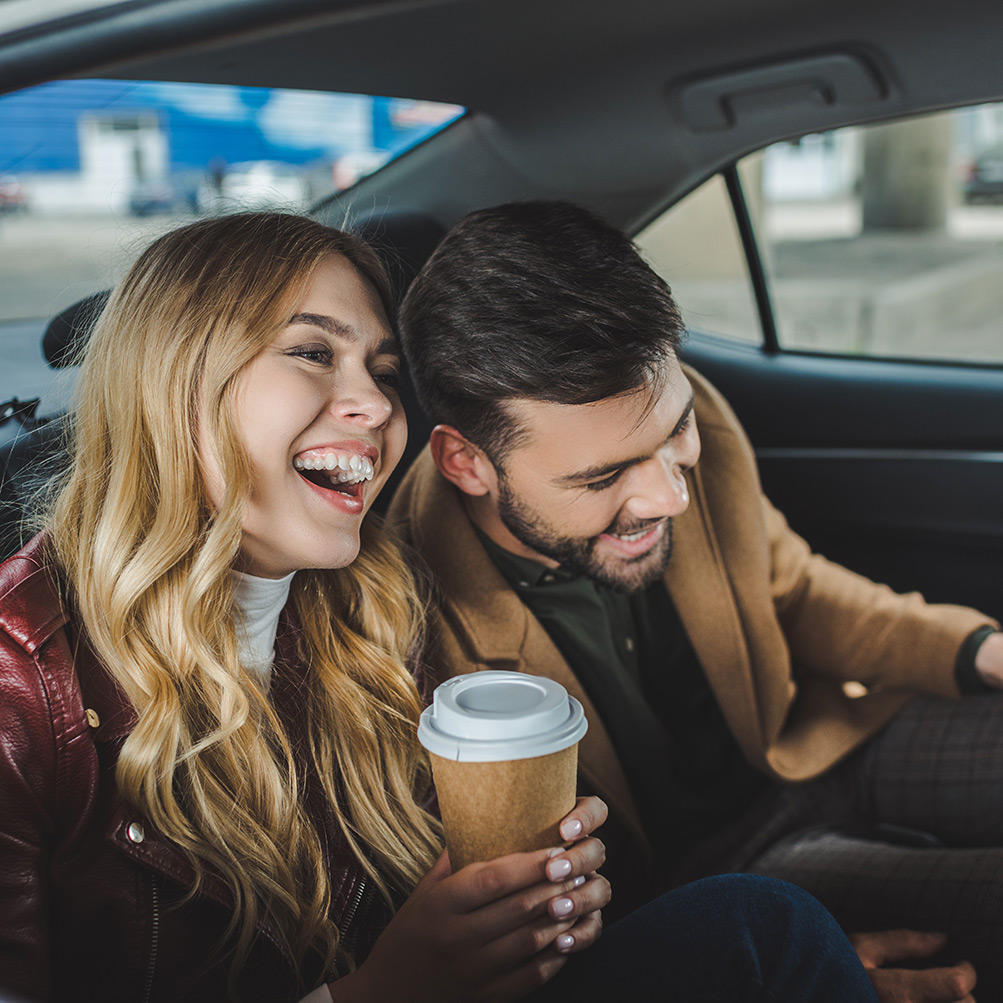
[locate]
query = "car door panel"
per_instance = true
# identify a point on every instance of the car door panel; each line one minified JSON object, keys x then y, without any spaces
{"x":894,"y":469}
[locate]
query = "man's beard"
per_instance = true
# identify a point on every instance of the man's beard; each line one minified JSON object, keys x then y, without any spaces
{"x":578,"y":553}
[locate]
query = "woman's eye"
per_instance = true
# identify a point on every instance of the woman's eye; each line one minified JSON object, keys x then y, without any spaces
{"x":389,"y":378}
{"x":606,"y":482}
{"x":312,"y":354}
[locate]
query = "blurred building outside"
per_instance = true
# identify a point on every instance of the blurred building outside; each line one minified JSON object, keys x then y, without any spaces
{"x":92,"y":170}
{"x":84,"y":147}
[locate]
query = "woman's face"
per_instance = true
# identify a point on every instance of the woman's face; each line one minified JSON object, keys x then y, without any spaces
{"x":322,"y":424}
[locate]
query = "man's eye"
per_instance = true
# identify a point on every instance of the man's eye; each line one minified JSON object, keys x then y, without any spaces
{"x":606,"y":482}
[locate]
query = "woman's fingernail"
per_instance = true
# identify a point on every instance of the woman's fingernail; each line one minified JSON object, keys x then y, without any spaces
{"x":561,"y":907}
{"x":579,"y":881}
{"x":564,"y":942}
{"x":570,"y":828}
{"x":558,"y":868}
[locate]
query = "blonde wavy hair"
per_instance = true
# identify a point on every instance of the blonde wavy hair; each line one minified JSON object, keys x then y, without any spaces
{"x":148,"y":561}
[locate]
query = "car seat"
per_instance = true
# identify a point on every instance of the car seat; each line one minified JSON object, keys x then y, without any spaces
{"x":32,"y":447}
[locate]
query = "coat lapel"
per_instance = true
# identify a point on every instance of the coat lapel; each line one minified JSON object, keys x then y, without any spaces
{"x":705,"y":582}
{"x":703,"y":596}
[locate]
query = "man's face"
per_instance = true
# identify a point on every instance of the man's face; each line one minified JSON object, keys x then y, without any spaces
{"x":596,"y":487}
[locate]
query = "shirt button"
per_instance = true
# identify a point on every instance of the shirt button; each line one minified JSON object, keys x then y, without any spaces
{"x":135,"y":832}
{"x":92,"y":718}
{"x":548,"y":577}
{"x":629,"y":644}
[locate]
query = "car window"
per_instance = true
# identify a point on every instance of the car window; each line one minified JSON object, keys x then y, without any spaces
{"x":887,"y":240}
{"x":695,"y":246}
{"x":91,"y":170}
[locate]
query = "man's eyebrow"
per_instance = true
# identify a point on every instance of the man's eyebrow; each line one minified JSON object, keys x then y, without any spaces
{"x":596,"y":473}
{"x":339,"y":329}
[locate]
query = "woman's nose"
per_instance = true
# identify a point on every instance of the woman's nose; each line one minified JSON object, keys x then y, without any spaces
{"x":362,"y":401}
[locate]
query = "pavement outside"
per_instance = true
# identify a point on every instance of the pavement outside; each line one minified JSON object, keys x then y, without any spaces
{"x":930,"y":295}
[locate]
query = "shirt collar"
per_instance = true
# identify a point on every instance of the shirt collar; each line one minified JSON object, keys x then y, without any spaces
{"x":520,"y":572}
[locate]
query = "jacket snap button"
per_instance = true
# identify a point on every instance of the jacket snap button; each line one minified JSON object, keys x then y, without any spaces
{"x":135,"y":832}
{"x":92,"y":718}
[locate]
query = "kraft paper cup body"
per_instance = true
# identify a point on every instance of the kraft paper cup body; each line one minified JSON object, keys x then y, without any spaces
{"x":504,"y":754}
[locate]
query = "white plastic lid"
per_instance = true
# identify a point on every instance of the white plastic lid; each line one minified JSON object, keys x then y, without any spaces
{"x":492,"y":716}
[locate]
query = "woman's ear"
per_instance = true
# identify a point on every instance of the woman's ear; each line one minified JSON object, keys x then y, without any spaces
{"x":461,"y":462}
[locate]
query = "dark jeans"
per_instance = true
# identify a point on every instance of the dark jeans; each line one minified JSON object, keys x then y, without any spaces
{"x":736,"y":938}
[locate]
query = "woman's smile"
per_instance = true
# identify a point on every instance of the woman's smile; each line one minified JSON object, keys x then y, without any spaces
{"x":339,"y":474}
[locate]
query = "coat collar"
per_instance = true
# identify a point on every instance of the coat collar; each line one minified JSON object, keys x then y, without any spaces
{"x":34,"y":612}
{"x":31,"y":609}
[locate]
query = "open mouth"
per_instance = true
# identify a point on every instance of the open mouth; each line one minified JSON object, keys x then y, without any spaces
{"x":639,"y":541}
{"x":345,"y":473}
{"x":632,"y":537}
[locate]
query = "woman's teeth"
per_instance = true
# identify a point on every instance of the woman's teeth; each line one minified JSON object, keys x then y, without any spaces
{"x":341,"y":468}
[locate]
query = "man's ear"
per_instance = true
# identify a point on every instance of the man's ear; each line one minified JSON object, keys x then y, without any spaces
{"x":461,"y":462}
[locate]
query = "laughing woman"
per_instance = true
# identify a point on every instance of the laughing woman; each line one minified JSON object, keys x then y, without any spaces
{"x":209,"y":782}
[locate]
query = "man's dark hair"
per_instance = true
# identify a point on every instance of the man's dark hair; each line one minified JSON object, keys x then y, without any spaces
{"x":535,"y":300}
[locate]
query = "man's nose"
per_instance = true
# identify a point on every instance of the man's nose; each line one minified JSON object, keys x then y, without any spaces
{"x":660,"y":488}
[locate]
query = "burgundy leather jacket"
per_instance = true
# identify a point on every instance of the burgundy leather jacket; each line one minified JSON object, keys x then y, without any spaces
{"x":91,"y":896}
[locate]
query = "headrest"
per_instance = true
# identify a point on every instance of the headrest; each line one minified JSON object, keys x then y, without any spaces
{"x":68,"y":331}
{"x":404,"y":240}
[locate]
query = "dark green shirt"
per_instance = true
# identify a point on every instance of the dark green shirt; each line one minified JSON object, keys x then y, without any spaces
{"x":635,"y":661}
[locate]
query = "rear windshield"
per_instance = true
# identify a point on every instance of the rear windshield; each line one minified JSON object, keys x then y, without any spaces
{"x":91,"y":170}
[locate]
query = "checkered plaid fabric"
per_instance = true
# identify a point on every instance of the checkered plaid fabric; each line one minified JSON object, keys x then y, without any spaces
{"x":906,"y":832}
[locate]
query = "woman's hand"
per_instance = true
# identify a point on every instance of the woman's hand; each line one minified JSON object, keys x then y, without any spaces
{"x":493,"y":931}
{"x":588,"y":814}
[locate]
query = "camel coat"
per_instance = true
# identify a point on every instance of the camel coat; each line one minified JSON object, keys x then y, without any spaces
{"x":778,"y":630}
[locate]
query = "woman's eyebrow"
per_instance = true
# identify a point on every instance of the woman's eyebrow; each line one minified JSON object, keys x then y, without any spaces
{"x":339,"y":329}
{"x":330,"y":324}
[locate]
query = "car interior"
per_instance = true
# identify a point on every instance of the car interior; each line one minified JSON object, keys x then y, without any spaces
{"x":886,"y":453}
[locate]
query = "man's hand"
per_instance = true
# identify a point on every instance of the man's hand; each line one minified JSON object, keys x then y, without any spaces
{"x":903,"y":985}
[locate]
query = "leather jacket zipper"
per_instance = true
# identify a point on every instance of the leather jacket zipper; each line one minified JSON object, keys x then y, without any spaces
{"x":353,"y":908}
{"x":154,"y":943}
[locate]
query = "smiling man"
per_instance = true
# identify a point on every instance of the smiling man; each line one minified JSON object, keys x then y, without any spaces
{"x":617,"y":480}
{"x":591,"y":511}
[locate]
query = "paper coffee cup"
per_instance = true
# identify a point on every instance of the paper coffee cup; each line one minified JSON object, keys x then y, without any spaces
{"x":504,"y":752}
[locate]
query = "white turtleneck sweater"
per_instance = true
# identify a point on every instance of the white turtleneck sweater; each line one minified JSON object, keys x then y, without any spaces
{"x":260,"y":601}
